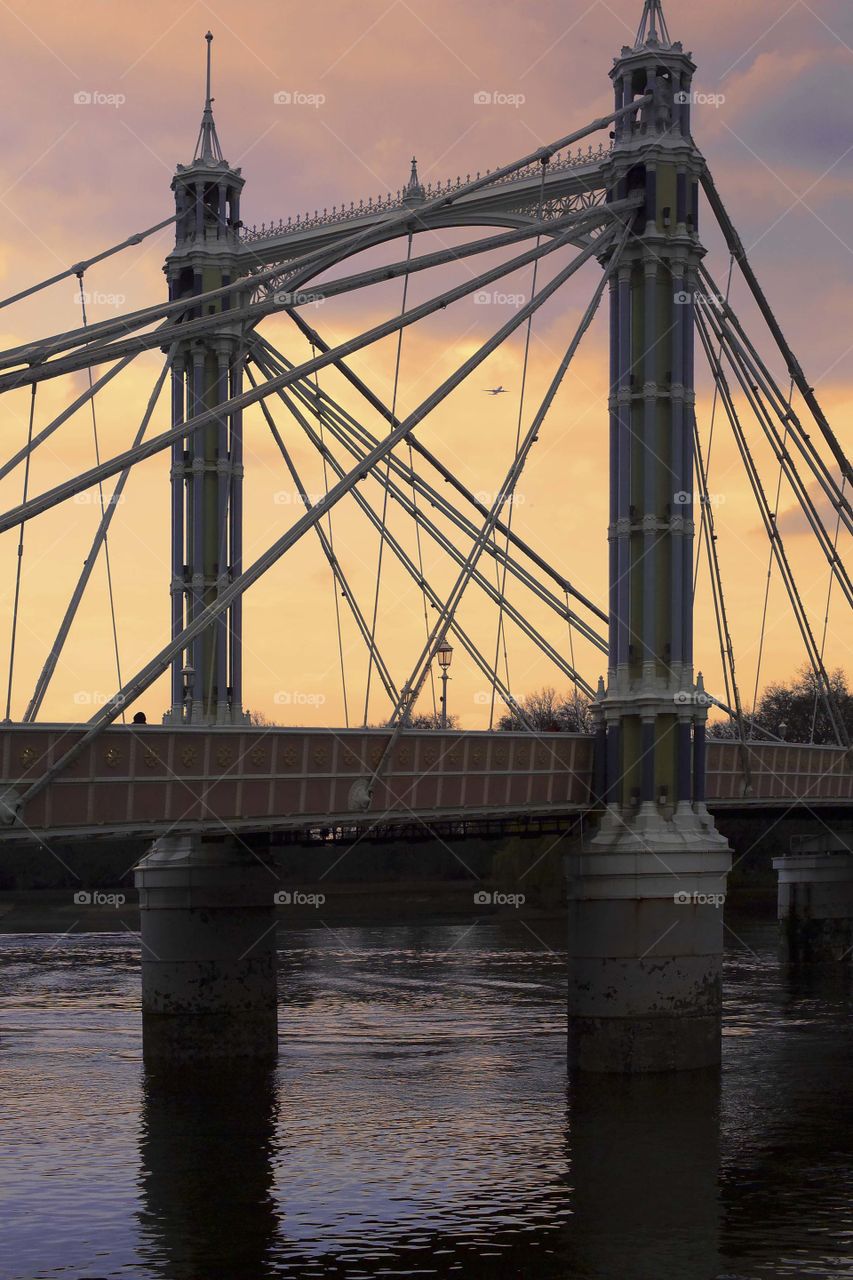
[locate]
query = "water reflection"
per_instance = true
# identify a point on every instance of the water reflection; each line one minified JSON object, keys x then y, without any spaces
{"x":418,"y":1121}
{"x":206,"y":1170}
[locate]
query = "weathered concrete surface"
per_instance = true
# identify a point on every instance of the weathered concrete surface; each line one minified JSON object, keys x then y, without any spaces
{"x":208,"y":933}
{"x":646,"y":945}
{"x":815,"y":901}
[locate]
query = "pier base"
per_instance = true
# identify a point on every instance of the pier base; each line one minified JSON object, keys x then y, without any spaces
{"x":208,"y":950}
{"x":815,"y":902}
{"x":646,"y":944}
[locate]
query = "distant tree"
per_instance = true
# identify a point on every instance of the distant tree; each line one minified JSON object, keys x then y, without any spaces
{"x":432,"y":720}
{"x":550,"y":712}
{"x":260,"y":721}
{"x":796,"y":712}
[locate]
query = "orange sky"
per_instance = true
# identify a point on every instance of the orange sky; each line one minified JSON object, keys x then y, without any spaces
{"x":398,"y":78}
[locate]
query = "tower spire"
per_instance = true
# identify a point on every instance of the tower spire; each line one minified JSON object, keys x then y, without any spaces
{"x":207,"y":147}
{"x":652,"y":28}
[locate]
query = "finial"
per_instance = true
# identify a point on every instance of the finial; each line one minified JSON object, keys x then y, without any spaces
{"x":600,"y":692}
{"x":414,"y":187}
{"x":652,"y":29}
{"x":209,"y":39}
{"x":207,"y":147}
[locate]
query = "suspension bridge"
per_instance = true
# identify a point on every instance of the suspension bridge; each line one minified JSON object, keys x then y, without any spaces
{"x":621,"y":196}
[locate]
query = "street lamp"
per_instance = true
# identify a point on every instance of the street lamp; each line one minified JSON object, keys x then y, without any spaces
{"x":187,"y":673}
{"x":444,"y":653}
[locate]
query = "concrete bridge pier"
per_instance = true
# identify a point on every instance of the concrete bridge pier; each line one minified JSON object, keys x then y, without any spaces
{"x":208,"y":950}
{"x":646,"y":947}
{"x":815,"y":902}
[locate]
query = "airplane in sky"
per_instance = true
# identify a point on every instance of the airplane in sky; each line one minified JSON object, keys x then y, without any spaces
{"x":496,"y":391}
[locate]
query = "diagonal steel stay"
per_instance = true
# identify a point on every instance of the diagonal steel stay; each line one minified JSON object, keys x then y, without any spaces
{"x":46,"y":432}
{"x":753,"y":398}
{"x":409,"y":565}
{"x":346,"y":430}
{"x":159,"y":664}
{"x":414,"y":684}
{"x":726,"y":646}
{"x":757,"y":370}
{"x":438,"y":536}
{"x":735,"y":245}
{"x":446,"y":474}
{"x":773,"y":533}
{"x":89,"y":262}
{"x":148,"y":448}
{"x":328,"y":550}
{"x":303,"y":268}
{"x":89,"y":563}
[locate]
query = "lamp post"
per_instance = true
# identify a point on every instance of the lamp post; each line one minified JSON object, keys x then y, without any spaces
{"x":187,"y":674}
{"x":444,"y":653}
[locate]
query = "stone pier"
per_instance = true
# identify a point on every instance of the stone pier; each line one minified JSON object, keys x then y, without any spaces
{"x":815,"y":903}
{"x":208,"y":934}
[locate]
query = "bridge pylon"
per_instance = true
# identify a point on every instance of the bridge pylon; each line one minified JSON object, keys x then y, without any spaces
{"x":645,"y":892}
{"x":207,"y":468}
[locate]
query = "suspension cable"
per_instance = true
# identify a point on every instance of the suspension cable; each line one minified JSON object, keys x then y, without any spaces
{"x":702,"y":521}
{"x":357,"y":450}
{"x":727,"y":653}
{"x":826,"y":613}
{"x":772,"y":533}
{"x":319,"y":412}
{"x":20,"y":563}
{"x":771,"y":560}
{"x":101,"y":501}
{"x":385,"y":493}
{"x":501,"y":579}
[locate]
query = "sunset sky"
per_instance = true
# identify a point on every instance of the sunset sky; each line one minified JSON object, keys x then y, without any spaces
{"x":389,"y":80}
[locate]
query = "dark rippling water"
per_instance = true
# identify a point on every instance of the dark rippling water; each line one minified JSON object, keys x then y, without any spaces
{"x":419,"y":1124}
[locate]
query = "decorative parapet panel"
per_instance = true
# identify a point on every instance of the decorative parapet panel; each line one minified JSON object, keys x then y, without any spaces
{"x":432,"y":191}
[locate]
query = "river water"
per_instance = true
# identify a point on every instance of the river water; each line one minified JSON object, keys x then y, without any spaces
{"x":419,"y":1123}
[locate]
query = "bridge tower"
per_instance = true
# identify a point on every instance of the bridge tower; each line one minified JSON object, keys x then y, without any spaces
{"x":645,"y":921}
{"x":207,"y":468}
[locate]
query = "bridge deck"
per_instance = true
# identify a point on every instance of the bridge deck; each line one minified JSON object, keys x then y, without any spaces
{"x":145,"y":780}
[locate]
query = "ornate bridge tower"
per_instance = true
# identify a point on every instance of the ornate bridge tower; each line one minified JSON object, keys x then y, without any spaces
{"x":207,"y":468}
{"x":646,"y":891}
